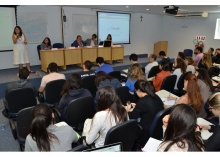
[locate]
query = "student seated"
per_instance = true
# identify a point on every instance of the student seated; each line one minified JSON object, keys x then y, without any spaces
{"x":163,"y":56}
{"x":206,"y":61}
{"x":190,"y":65}
{"x":133,"y":59}
{"x":186,"y":137}
{"x":153,"y":62}
{"x":107,"y":68}
{"x":87,"y":65}
{"x":46,"y":136}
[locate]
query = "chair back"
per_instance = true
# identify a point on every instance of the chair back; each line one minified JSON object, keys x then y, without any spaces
{"x":168,"y":83}
{"x":180,"y":83}
{"x":188,"y":52}
{"x":213,"y":71}
{"x":20,"y":98}
{"x":171,"y":66}
{"x":89,"y":83}
{"x":24,"y":120}
{"x":126,"y":133}
{"x":153,"y":71}
{"x":79,"y":110}
{"x":115,"y":74}
{"x":38,"y":50}
{"x":53,"y":91}
{"x":58,"y":45}
{"x":123,"y":94}
{"x":155,"y":129}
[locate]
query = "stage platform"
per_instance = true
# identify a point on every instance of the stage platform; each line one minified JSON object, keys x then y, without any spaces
{"x":10,"y":75}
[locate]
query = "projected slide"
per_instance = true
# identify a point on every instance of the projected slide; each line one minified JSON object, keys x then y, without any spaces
{"x":7,"y":20}
{"x":217,"y":29}
{"x":116,"y":24}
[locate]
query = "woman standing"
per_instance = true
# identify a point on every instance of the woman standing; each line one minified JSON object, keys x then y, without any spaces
{"x":20,"y":50}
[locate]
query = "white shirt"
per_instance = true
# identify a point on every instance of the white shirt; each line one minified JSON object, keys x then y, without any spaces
{"x":149,"y":66}
{"x":51,"y":77}
{"x":101,"y":123}
{"x":178,"y":73}
{"x":190,"y":68}
{"x":92,"y":43}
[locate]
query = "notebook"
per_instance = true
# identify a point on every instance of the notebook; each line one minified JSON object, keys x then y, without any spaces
{"x":151,"y":145}
{"x":115,"y":147}
{"x":204,"y":133}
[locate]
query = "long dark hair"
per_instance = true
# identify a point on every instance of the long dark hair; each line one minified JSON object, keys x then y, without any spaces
{"x":181,"y":129}
{"x":73,"y":82}
{"x":41,"y":119}
{"x":204,"y":76}
{"x":108,"y":99}
{"x":181,"y":64}
{"x":19,"y":30}
{"x":145,"y":87}
{"x":49,"y":42}
{"x":101,"y":76}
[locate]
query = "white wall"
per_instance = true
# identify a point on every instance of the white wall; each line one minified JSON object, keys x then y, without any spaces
{"x":143,"y":34}
{"x":180,"y":33}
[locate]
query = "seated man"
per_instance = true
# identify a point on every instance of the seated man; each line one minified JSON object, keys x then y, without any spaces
{"x":92,"y":41}
{"x":162,"y":55}
{"x":53,"y":75}
{"x":22,"y":83}
{"x":87,"y":65}
{"x":153,"y":62}
{"x":107,"y":68}
{"x":78,"y":42}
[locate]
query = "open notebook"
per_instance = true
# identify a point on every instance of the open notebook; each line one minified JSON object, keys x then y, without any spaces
{"x":204,"y":133}
{"x":151,"y":145}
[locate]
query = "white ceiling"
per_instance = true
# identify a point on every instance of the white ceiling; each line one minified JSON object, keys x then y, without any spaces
{"x":154,"y":9}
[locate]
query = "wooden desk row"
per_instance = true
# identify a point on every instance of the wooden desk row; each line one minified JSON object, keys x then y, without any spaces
{"x":78,"y":56}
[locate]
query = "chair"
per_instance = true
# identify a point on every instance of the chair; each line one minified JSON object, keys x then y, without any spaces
{"x":58,"y":45}
{"x":123,"y":94}
{"x":53,"y":92}
{"x":171,"y":66}
{"x":180,"y":84}
{"x":89,"y":83}
{"x":153,"y":71}
{"x":79,"y":110}
{"x":213,"y":71}
{"x":38,"y":50}
{"x":115,"y":74}
{"x":188,"y":52}
{"x":168,"y":83}
{"x":18,"y":99}
{"x":155,"y":129}
{"x":126,"y":133}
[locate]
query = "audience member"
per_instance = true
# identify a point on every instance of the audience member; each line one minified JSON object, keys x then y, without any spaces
{"x":47,"y":136}
{"x":53,"y":75}
{"x":136,"y":74}
{"x":180,"y":69}
{"x":46,"y":44}
{"x":190,"y":65}
{"x":181,"y":131}
{"x":78,"y":42}
{"x":165,"y":71}
{"x":162,"y":55}
{"x":210,"y":51}
{"x":22,"y":83}
{"x":206,"y":61}
{"x":146,"y":108}
{"x":133,"y":59}
{"x":107,"y":68}
{"x":87,"y":65}
{"x":102,"y":80}
{"x":181,"y":55}
{"x":199,"y":55}
{"x":204,"y":82}
{"x":72,"y":90}
{"x":213,"y":142}
{"x":193,"y":96}
{"x":110,"y":113}
{"x":216,"y":57}
{"x":92,"y":41}
{"x":152,"y":59}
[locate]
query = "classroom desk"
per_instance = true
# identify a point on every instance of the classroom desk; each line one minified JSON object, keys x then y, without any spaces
{"x":48,"y":56}
{"x":106,"y":53}
{"x":89,"y":54}
{"x":216,"y":78}
{"x":163,"y":94}
{"x":118,"y":53}
{"x":73,"y":56}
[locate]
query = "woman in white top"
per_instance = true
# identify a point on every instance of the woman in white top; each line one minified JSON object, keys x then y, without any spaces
{"x":20,"y":50}
{"x":110,"y":113}
{"x":180,"y":69}
{"x":190,"y":65}
{"x":45,"y":136}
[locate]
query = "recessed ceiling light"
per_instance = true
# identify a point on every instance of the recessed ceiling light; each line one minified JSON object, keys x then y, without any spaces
{"x":127,"y":6}
{"x":147,"y":9}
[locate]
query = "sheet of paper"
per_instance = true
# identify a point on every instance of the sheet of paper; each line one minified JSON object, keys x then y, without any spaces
{"x":216,"y":78}
{"x":151,"y":145}
{"x":168,"y":102}
{"x":204,"y":133}
{"x":125,"y":71}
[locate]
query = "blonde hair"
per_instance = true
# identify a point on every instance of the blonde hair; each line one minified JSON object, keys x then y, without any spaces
{"x":207,"y":60}
{"x":190,"y":60}
{"x":214,"y":101}
{"x":137,"y":72}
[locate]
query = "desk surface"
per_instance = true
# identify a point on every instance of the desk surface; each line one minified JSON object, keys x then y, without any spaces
{"x":216,"y":78}
{"x":163,"y":94}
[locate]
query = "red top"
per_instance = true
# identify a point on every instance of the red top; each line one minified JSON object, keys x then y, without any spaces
{"x":157,"y":81}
